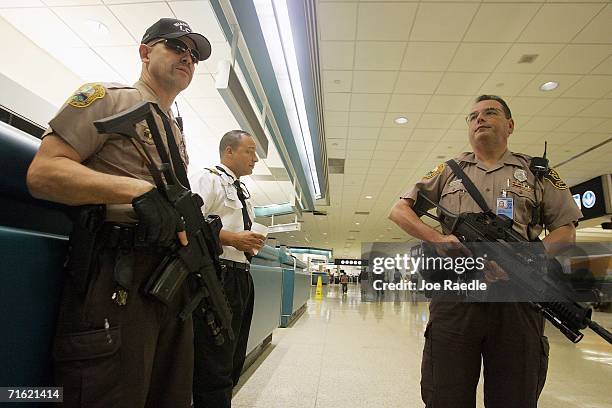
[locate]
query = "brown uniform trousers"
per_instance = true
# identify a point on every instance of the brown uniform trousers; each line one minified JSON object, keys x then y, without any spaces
{"x":509,"y":339}
{"x":145,"y":356}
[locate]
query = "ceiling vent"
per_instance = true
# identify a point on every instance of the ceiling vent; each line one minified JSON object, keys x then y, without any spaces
{"x":335,"y":166}
{"x":528,"y":58}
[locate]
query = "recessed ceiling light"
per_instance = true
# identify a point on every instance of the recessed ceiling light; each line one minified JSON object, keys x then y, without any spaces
{"x":291,"y":236}
{"x":401,"y":120}
{"x":96,"y":26}
{"x":356,"y":223}
{"x":368,"y":197}
{"x":549,"y":86}
{"x":325,"y":233}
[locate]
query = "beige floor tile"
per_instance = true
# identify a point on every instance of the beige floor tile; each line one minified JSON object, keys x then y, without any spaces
{"x":347,"y":353}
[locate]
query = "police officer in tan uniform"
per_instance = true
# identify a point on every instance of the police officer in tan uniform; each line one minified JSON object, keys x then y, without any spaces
{"x":218,"y":368}
{"x":114,"y":346}
{"x":508,"y":337}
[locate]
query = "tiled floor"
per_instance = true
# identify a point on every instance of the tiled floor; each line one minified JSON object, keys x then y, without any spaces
{"x":346,"y":353}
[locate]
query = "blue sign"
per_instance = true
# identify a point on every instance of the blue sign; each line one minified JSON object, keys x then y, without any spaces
{"x":588,"y":199}
{"x":589,"y":196}
{"x":576,"y":198}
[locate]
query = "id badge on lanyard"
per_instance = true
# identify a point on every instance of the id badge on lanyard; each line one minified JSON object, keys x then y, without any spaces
{"x":505,"y":205}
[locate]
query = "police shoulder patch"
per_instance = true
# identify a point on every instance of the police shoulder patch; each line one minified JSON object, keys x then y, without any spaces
{"x":553,"y":177}
{"x":86,"y":95}
{"x":435,"y":171}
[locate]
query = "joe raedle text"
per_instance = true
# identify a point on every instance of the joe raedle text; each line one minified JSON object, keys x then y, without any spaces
{"x":446,"y":284}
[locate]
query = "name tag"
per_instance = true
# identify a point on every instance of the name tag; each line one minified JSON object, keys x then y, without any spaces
{"x":505,"y":206}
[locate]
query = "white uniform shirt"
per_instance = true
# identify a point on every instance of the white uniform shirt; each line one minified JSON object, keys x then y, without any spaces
{"x":221,"y":198}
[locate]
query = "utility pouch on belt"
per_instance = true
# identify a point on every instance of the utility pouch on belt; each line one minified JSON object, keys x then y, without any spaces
{"x":87,"y":220}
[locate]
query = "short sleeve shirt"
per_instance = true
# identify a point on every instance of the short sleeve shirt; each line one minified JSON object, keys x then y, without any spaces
{"x":112,"y":153}
{"x":511,"y":174}
{"x":220,"y":196}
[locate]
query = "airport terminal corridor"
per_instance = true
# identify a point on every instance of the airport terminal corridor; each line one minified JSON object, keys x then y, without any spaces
{"x":347,"y":353}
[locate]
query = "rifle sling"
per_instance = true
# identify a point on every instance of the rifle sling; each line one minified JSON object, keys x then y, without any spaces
{"x":469,"y":185}
{"x":177,"y":161}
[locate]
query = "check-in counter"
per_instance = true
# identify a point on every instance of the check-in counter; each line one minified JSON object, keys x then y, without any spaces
{"x":267,"y":280}
{"x":296,"y":287}
{"x":33,"y":242}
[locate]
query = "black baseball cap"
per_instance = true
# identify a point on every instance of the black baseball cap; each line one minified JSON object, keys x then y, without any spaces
{"x":169,"y":28}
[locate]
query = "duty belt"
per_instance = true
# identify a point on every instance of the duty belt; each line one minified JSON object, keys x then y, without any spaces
{"x":235,"y":265}
{"x":117,"y":235}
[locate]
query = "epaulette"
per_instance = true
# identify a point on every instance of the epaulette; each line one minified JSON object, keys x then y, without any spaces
{"x":435,"y":171}
{"x":526,"y":156}
{"x":553,"y":177}
{"x":213,"y":171}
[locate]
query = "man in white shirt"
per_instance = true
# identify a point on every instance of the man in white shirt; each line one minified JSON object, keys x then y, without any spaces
{"x":217,"y":368}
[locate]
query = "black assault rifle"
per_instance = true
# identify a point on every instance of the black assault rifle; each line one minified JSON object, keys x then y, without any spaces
{"x":200,"y":257}
{"x":494,"y":234}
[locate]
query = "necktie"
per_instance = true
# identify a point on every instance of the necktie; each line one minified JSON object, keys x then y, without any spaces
{"x":246,"y":220}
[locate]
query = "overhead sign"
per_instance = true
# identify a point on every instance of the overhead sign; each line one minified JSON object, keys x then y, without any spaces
{"x":350,"y":262}
{"x":593,"y":197}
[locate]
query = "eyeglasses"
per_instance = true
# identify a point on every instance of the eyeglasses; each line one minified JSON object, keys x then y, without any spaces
{"x":180,"y":48}
{"x":487,"y":113}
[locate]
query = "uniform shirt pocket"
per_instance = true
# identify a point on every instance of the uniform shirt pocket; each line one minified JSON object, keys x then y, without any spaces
{"x":233,"y":203}
{"x":524,"y":203}
{"x":452,"y":197}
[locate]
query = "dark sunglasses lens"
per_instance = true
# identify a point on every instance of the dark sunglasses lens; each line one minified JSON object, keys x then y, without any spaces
{"x":195,"y":56}
{"x":180,"y":47}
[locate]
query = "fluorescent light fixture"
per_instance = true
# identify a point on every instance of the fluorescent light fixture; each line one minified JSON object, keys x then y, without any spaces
{"x":276,"y":27}
{"x":236,"y":99}
{"x":549,"y":86}
{"x":368,"y":197}
{"x":401,"y":120}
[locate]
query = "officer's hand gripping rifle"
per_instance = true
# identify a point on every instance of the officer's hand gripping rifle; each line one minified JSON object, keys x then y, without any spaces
{"x":200,"y":256}
{"x":494,"y":233}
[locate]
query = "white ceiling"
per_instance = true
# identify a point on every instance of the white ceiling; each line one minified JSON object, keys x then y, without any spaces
{"x":427,"y":60}
{"x":424,"y":60}
{"x":50,"y":49}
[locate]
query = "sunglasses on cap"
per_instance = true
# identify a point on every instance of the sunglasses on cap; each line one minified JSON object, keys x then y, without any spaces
{"x":180,"y":48}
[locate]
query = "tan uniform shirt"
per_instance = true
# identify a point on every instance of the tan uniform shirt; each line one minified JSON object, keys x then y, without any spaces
{"x":558,"y":206}
{"x":111,"y":153}
{"x":221,"y":198}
